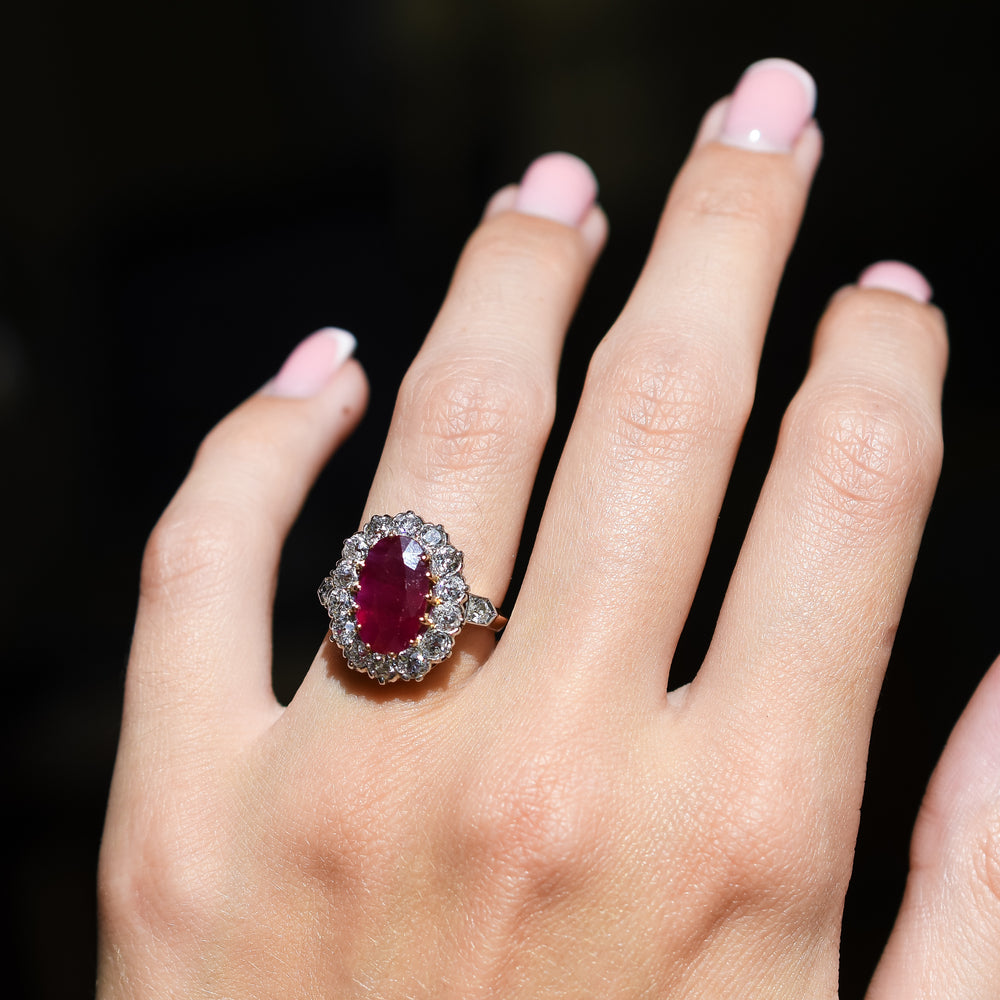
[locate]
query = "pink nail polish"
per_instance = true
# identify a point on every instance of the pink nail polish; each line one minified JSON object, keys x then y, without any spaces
{"x":310,"y":366}
{"x":557,"y":186}
{"x":895,"y":276}
{"x":503,"y":200}
{"x":771,"y":105}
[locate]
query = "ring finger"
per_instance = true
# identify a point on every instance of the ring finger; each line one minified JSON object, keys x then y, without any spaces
{"x":476,"y":406}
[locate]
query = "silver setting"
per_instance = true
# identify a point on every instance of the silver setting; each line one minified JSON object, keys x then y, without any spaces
{"x":450,"y":606}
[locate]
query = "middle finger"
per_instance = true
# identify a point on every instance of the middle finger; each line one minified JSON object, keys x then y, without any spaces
{"x":632,"y":509}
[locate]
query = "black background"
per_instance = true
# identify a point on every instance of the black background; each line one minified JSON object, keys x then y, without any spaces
{"x":186,"y":190}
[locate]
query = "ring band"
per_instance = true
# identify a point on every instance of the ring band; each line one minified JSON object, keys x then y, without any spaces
{"x":397,"y":598}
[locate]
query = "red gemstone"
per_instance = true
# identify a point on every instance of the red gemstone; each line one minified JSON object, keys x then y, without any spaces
{"x":393,"y":587}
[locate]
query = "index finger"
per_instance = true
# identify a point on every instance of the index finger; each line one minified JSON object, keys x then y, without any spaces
{"x":201,"y":653}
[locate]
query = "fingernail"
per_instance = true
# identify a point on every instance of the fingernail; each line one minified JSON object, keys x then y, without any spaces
{"x":503,"y":200}
{"x":771,"y":105}
{"x":310,"y":366}
{"x":557,"y":186}
{"x":895,"y":276}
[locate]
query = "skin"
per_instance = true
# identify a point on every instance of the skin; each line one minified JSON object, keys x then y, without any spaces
{"x":540,"y":819}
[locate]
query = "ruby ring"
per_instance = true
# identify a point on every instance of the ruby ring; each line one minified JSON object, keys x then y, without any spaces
{"x":397,"y":598}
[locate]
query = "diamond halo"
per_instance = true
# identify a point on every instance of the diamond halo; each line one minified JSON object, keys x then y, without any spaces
{"x":449,"y":604}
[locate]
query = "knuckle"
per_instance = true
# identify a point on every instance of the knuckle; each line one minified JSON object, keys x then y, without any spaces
{"x":338,"y":832}
{"x":986,"y":862}
{"x":514,"y":244}
{"x":895,"y":319}
{"x":468,"y":416}
{"x":210,"y":522}
{"x":665,"y":400}
{"x":239,"y":437}
{"x":956,"y":847}
{"x":536,"y":826}
{"x":191,"y":548}
{"x":746,"y":199}
{"x":155,"y":882}
{"x":776,"y":855}
{"x":870,"y":456}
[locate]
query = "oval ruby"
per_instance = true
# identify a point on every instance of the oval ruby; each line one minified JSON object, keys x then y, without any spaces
{"x":393,"y":587}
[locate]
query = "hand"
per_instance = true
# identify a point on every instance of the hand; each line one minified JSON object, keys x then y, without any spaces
{"x":540,"y":819}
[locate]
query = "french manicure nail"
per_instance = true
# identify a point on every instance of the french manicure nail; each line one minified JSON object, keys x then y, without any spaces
{"x":895,"y":276}
{"x":557,"y":186}
{"x":771,"y":105}
{"x":310,"y":366}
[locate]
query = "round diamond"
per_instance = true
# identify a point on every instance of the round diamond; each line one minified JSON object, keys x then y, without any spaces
{"x":436,"y":645}
{"x":356,"y":654}
{"x":356,"y":548}
{"x":340,"y":599}
{"x":412,"y":664}
{"x":346,"y":574}
{"x":447,"y":617}
{"x":408,"y":524}
{"x":343,"y":629}
{"x":378,"y":527}
{"x":340,"y":612}
{"x":451,"y":588}
{"x":445,"y":560}
{"x":431,"y":535}
{"x":380,"y":667}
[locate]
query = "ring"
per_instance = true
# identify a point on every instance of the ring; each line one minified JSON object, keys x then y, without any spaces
{"x":397,"y":598}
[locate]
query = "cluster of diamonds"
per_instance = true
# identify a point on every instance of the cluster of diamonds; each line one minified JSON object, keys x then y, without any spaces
{"x":448,"y":606}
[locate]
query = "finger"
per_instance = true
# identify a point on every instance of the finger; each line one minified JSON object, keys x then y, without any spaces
{"x":476,"y":406}
{"x":946,"y":942}
{"x":201,"y":654}
{"x":633,"y":505}
{"x":805,"y":631}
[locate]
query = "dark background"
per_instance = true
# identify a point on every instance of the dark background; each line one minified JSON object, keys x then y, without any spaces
{"x":186,"y":190}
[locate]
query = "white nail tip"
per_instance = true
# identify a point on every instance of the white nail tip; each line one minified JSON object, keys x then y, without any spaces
{"x":346,"y":342}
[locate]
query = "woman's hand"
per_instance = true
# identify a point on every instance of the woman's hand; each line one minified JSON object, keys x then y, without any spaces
{"x":540,"y":819}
